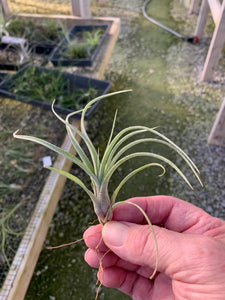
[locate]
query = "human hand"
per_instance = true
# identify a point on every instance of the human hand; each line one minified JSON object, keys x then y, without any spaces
{"x":191,"y":251}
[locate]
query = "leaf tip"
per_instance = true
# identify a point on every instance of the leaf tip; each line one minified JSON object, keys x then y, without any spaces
{"x":15,"y":134}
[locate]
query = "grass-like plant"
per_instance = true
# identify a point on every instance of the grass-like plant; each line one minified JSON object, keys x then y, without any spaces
{"x":83,"y":45}
{"x":49,"y":31}
{"x":6,"y":231}
{"x":45,"y":84}
{"x":118,"y":151}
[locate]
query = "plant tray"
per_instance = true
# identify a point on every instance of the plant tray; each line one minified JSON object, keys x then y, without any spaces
{"x":42,"y":48}
{"x":40,"y":40}
{"x":58,"y":59}
{"x":2,"y":76}
{"x":45,"y":47}
{"x":73,"y":83}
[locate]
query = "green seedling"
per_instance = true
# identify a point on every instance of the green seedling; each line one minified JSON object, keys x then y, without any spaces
{"x":45,"y":85}
{"x":93,"y":37}
{"x":83,"y":45}
{"x":35,"y":31}
{"x":118,"y":151}
{"x":75,"y":49}
{"x":9,"y":188}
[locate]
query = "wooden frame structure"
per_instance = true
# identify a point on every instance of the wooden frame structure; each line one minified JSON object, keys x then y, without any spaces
{"x":217,"y":134}
{"x":21,"y":270}
{"x":194,"y":6}
{"x":81,"y":8}
{"x":218,"y":13}
{"x":5,"y":9}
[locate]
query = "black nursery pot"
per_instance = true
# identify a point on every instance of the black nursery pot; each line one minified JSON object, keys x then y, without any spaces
{"x":57,"y":58}
{"x":74,"y":82}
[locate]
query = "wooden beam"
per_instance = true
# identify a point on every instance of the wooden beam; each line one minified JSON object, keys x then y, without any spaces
{"x":81,"y":8}
{"x":215,"y":8}
{"x":194,"y":7}
{"x":202,"y":18}
{"x":110,"y":43}
{"x":215,"y":48}
{"x":5,"y":9}
{"x":217,"y":134}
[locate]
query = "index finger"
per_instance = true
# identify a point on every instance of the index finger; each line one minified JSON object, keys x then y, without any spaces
{"x":167,"y":211}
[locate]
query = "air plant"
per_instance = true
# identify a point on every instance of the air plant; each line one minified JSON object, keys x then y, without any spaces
{"x":82,"y":46}
{"x":24,"y":52}
{"x":16,"y":54}
{"x":100,"y":170}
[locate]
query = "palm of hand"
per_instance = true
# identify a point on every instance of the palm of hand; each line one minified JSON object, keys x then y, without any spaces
{"x":191,"y":252}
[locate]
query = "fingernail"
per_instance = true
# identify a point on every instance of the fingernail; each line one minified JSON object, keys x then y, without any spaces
{"x":115,"y":233}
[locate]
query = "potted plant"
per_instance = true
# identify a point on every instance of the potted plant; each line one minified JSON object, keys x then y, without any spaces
{"x":13,"y":56}
{"x":42,"y":37}
{"x":80,"y":47}
{"x":39,"y":86}
{"x":14,"y":51}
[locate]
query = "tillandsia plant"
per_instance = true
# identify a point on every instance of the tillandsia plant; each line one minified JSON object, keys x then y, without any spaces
{"x":83,"y":45}
{"x":100,"y":170}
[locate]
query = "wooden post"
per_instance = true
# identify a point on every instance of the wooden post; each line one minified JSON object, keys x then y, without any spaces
{"x":194,"y":7}
{"x":202,"y":18}
{"x":5,"y":9}
{"x":81,"y":8}
{"x":217,"y":135}
{"x":215,"y":8}
{"x":216,"y":47}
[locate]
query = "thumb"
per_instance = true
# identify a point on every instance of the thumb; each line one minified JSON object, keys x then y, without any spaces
{"x":135,"y":243}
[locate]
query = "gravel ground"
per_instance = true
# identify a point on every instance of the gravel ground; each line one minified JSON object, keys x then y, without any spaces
{"x":203,"y":100}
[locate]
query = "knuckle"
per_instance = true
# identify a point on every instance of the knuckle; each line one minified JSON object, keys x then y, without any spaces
{"x":142,"y":246}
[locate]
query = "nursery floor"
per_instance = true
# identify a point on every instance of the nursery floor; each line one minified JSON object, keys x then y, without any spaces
{"x":164,"y":75}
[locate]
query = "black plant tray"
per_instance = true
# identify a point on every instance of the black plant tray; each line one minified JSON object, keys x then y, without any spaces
{"x":74,"y":82}
{"x":3,"y":75}
{"x":58,"y":60}
{"x":42,"y":48}
{"x":46,"y":47}
{"x":11,"y":67}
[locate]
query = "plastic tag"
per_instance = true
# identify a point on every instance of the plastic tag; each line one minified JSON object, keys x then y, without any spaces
{"x":47,"y":161}
{"x":13,"y":40}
